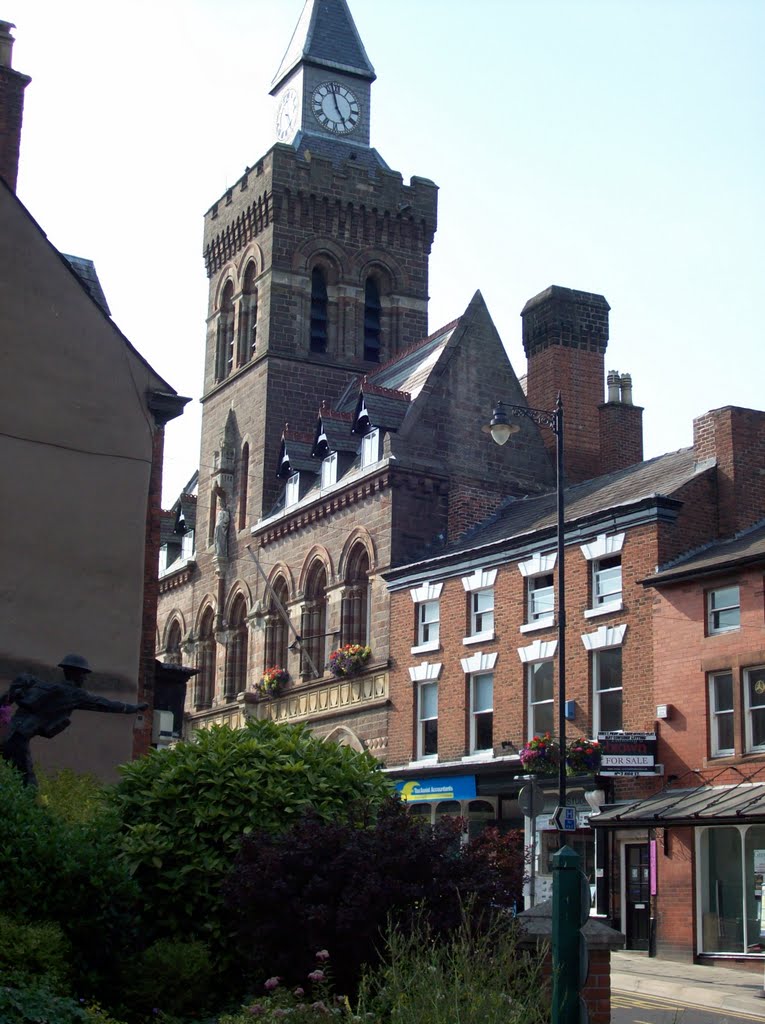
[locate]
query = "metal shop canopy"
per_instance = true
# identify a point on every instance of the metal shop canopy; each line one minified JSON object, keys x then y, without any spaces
{"x":742,"y":804}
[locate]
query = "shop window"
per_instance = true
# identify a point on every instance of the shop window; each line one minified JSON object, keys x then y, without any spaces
{"x":754,"y":695}
{"x":427,"y":718}
{"x":482,"y":614}
{"x":539,"y":682}
{"x":370,"y":448}
{"x":607,"y":682}
{"x":319,"y":308}
{"x":732,"y":865}
{"x":721,"y":722}
{"x":723,"y":610}
{"x":481,"y":712}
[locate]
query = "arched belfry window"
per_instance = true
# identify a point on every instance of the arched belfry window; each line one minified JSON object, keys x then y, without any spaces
{"x":248,"y":318}
{"x":319,"y":307}
{"x":277,"y":642}
{"x":314,"y":621}
{"x":372,"y":317}
{"x":236,"y":651}
{"x":204,"y":683}
{"x":244,"y":483}
{"x":355,"y":607}
{"x":173,"y":645}
{"x":224,"y":348}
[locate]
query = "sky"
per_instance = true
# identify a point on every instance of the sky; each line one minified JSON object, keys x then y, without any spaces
{"x":614,"y":146}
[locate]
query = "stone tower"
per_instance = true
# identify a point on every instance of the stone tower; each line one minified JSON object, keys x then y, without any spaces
{"x":317,"y":260}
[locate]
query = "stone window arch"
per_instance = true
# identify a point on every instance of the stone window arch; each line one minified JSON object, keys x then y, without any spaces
{"x":319,"y":324}
{"x":204,"y":683}
{"x":314,"y":621}
{"x":173,"y":644}
{"x":236,"y":649}
{"x":224,"y":344}
{"x":248,"y":316}
{"x":354,"y":613}
{"x":277,"y":632}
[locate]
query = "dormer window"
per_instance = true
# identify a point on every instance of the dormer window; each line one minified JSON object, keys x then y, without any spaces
{"x":329,"y":470}
{"x":292,"y":490}
{"x":187,"y":545}
{"x":370,"y":448}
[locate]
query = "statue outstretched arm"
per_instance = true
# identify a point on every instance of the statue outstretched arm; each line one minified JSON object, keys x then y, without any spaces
{"x":91,"y":702}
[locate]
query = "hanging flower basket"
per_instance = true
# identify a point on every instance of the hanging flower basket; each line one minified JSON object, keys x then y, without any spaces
{"x":272,"y":681}
{"x":349,"y":659}
{"x":582,"y":756}
{"x":541,"y":755}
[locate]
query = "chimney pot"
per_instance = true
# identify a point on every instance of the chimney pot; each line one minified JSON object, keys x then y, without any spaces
{"x":613,"y":381}
{"x":6,"y":44}
{"x":626,"y":383}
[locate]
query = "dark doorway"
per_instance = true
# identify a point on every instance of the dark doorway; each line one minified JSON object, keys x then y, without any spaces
{"x":638,"y":909}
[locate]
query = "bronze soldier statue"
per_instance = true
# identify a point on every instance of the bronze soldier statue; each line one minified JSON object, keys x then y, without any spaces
{"x":43,"y":709}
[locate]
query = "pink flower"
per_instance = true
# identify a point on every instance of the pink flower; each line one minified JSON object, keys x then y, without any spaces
{"x":316,"y":976}
{"x":271,"y":984}
{"x":256,"y":1009}
{"x":322,"y":955}
{"x":299,"y":991}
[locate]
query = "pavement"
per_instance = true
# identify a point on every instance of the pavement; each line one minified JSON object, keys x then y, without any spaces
{"x":712,"y":988}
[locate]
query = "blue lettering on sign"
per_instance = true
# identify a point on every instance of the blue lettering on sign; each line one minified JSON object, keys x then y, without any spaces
{"x":448,"y":787}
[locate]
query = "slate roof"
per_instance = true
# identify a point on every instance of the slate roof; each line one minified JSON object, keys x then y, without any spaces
{"x":298,"y":450}
{"x":86,"y":271}
{"x":518,"y":517}
{"x":748,"y":546}
{"x":384,"y":408}
{"x":326,"y":36}
{"x":336,"y":427}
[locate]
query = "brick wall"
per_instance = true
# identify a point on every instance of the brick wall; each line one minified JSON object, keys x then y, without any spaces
{"x":12,"y":86}
{"x":621,"y":436}
{"x":736,"y":438}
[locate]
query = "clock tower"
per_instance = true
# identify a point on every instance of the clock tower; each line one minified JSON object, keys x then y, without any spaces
{"x":317,"y":260}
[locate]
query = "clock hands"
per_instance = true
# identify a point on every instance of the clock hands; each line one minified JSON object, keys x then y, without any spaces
{"x":334,"y":100}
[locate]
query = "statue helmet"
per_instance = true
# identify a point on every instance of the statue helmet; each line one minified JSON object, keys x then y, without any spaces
{"x":75,"y":661}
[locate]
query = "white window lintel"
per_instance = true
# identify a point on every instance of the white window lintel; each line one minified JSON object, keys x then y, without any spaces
{"x":603,"y":545}
{"x":426,"y":592}
{"x":540,"y":650}
{"x":605,"y":636}
{"x":427,"y":671}
{"x":538,"y":565}
{"x":478,"y":662}
{"x":481,"y":579}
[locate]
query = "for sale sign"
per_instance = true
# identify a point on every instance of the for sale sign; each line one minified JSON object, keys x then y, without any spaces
{"x":627,"y":753}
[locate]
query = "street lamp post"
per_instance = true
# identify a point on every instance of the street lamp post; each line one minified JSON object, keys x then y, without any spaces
{"x":500,"y":429}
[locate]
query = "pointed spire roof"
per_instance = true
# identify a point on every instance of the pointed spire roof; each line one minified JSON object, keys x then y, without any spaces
{"x":326,"y":37}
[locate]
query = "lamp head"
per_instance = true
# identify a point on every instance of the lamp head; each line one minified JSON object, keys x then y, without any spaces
{"x":500,"y":427}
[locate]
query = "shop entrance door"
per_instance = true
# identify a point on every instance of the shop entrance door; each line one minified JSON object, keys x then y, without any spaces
{"x":638,"y":893}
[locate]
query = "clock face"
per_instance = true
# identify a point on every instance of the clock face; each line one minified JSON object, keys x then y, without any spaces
{"x":287,"y":116}
{"x":336,"y":108}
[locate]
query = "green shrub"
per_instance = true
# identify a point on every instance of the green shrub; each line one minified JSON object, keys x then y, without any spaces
{"x":66,"y":873}
{"x":75,"y":798}
{"x":185,"y":810}
{"x":476,"y":976}
{"x":34,"y":954}
{"x":172,"y":975}
{"x":37,"y":1005}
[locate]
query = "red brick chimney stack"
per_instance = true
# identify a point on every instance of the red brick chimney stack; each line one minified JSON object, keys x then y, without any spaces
{"x":621,"y":425}
{"x":12,"y":86}
{"x":735,"y":437}
{"x":565,"y":335}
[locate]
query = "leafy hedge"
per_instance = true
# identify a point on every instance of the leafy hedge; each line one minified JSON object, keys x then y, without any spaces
{"x":184,"y":811}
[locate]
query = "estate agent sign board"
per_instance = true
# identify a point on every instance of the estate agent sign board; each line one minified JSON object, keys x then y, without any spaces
{"x":627,"y":753}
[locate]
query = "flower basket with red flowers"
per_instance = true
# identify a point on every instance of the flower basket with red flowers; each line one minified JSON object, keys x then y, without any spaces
{"x":582,"y":756}
{"x":272,"y":681}
{"x":349,"y":659}
{"x":541,"y":755}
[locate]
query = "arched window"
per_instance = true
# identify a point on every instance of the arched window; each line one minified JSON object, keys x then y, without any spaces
{"x":173,"y":645}
{"x":205,"y":680}
{"x":236,"y":651}
{"x":248,"y":318}
{"x":314,"y":621}
{"x":318,"y":310}
{"x":372,"y":310}
{"x":224,"y":348}
{"x":355,"y":608}
{"x":244,"y":483}
{"x":277,"y":640}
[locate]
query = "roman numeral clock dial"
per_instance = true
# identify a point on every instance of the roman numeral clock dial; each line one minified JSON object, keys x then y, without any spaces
{"x":335,"y":108}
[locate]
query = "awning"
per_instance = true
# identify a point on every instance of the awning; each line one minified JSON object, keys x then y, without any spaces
{"x":741,"y":804}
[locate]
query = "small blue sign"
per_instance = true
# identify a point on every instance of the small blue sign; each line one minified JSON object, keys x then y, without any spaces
{"x":447,"y":787}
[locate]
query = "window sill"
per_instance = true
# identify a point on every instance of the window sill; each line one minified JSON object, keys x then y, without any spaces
{"x":432,"y":645}
{"x":722,"y":632}
{"x":424,"y":762}
{"x":479,"y":638}
{"x":603,"y":609}
{"x":546,"y":623}
{"x":479,"y":755}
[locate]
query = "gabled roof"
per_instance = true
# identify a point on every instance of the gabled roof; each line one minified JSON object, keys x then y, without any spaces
{"x":326,"y":36}
{"x":379,"y":407}
{"x":296,"y":455}
{"x":745,"y":547}
{"x":333,"y":434}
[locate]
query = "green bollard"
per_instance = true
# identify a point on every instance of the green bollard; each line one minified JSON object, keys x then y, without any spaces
{"x":566,"y":925}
